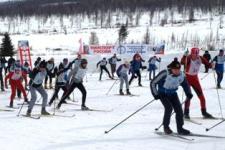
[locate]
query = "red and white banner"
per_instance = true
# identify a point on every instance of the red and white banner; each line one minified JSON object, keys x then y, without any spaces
{"x":24,"y":52}
{"x":101,"y":49}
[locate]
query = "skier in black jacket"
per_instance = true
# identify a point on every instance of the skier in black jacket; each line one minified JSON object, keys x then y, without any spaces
{"x":207,"y":56}
{"x":103,"y":64}
{"x":61,"y":79}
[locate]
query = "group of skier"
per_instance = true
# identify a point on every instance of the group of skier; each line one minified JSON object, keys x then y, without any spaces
{"x":165,"y":85}
{"x":70,"y":75}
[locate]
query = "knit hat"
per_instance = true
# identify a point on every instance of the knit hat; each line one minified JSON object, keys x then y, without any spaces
{"x":221,"y":50}
{"x":51,"y":59}
{"x":174,"y":65}
{"x":42,"y":64}
{"x":65,"y":59}
{"x":39,"y":58}
{"x":195,"y":51}
{"x":83,"y":61}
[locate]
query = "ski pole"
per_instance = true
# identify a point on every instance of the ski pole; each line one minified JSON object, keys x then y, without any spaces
{"x":205,"y":76}
{"x":111,"y":87}
{"x":86,"y":78}
{"x":20,"y":109}
{"x":159,"y":66}
{"x":129,"y":116}
{"x":22,"y":106}
{"x":54,"y":108}
{"x":207,"y":129}
{"x":218,"y":96}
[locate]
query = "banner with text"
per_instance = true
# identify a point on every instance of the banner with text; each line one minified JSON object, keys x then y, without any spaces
{"x":131,"y":49}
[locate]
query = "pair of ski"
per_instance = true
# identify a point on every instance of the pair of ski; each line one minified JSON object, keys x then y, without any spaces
{"x":198,"y":123}
{"x":188,"y":137}
{"x":90,"y":109}
{"x":7,"y":110}
{"x":131,"y":95}
{"x":38,"y":116}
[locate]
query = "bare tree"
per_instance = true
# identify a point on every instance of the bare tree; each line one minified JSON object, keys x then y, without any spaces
{"x":93,"y":40}
{"x":146,"y":39}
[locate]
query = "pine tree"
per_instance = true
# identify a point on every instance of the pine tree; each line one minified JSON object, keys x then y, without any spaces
{"x":123,"y":33}
{"x":7,"y":48}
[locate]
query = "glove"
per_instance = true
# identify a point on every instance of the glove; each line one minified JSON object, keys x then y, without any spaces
{"x":144,"y":67}
{"x":157,"y":97}
{"x":189,"y":96}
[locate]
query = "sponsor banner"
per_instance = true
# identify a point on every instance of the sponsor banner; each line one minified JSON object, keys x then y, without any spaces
{"x":100,"y":49}
{"x":124,"y":49}
{"x":159,"y":49}
{"x":131,"y":49}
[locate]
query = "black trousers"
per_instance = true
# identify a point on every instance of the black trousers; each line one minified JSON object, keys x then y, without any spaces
{"x":206,"y":69}
{"x":106,"y":70}
{"x":219,"y":77}
{"x":49,"y":75}
{"x":1,"y":80}
{"x":55,"y":94}
{"x":138,"y":73}
{"x":171,"y":102}
{"x":113,"y":69}
{"x":82,"y":89}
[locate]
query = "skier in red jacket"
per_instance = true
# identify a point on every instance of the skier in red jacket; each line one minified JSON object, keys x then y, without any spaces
{"x":15,"y":80}
{"x":192,"y":65}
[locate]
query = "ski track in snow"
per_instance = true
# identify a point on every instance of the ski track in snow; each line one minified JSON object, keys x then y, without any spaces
{"x":85,"y":131}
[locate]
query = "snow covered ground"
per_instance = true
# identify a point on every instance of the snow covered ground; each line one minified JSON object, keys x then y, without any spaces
{"x":85,"y":131}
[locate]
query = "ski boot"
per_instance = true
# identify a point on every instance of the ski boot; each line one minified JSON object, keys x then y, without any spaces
{"x":167,"y":130}
{"x":139,"y":84}
{"x":64,"y":102}
{"x":44,"y":112}
{"x":83,"y":107}
{"x":11,"y":104}
{"x":218,"y":86}
{"x":121,"y":92}
{"x":28,"y":113}
{"x":205,"y":114}
{"x":186,"y":114}
{"x":128,"y":92}
{"x":59,"y":105}
{"x":183,"y":131}
{"x":50,"y":103}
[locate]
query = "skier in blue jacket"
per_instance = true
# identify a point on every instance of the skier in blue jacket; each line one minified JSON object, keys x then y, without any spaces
{"x":136,"y":65}
{"x":152,"y":66}
{"x":164,"y":87}
{"x":219,"y":66}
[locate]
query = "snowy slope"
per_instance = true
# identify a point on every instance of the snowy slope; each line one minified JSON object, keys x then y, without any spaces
{"x":86,"y":130}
